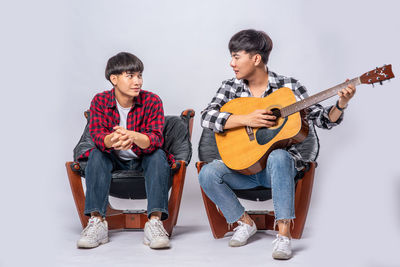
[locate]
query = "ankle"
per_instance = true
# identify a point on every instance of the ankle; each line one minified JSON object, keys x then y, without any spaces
{"x":97,"y":215}
{"x":246,"y":219}
{"x":284,"y":228}
{"x":155,"y":215}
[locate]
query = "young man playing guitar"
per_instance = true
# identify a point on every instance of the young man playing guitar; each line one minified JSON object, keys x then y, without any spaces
{"x":250,"y":50}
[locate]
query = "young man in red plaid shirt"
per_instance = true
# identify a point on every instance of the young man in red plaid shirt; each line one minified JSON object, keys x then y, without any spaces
{"x":126,"y":125}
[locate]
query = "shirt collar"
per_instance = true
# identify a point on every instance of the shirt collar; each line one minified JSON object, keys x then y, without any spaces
{"x":137,"y":101}
{"x":272,"y":82}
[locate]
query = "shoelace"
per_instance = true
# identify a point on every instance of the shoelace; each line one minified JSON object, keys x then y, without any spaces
{"x":157,"y":229}
{"x":240,"y":230}
{"x":90,"y":230}
{"x":280,"y":243}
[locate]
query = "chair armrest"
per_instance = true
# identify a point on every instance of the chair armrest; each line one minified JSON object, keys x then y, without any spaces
{"x":188,"y":112}
{"x":178,"y":164}
{"x":75,"y":166}
{"x":200,"y":165}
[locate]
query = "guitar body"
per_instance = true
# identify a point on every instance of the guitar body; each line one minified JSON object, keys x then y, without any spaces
{"x":246,"y":149}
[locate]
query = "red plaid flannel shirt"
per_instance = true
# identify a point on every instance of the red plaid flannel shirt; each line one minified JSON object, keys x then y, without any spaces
{"x":146,"y":117}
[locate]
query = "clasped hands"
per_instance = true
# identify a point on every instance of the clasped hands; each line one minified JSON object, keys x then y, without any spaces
{"x":121,"y":138}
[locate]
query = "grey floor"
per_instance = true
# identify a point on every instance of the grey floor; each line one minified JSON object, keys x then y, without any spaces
{"x":327,"y":240}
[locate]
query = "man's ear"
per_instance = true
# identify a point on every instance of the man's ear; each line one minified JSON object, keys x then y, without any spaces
{"x":113,"y":79}
{"x":257,"y":59}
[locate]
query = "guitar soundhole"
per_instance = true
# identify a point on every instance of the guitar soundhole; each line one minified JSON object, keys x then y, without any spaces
{"x":276,"y":112}
{"x":264,"y":135}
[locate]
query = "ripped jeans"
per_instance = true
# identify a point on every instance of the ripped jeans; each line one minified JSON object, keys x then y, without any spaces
{"x":217,"y":181}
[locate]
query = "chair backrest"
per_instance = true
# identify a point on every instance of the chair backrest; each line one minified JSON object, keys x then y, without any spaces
{"x":208,"y":150}
{"x":177,"y":137}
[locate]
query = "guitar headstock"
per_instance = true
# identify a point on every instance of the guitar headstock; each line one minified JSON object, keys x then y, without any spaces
{"x":377,"y":75}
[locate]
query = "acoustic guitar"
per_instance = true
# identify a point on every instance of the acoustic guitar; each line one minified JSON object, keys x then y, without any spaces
{"x":246,"y":149}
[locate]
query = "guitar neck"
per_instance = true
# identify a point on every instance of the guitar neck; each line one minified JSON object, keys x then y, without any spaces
{"x":314,"y":99}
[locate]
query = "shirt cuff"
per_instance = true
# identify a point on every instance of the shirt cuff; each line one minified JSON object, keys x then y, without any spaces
{"x":221,"y":121}
{"x":331,"y":124}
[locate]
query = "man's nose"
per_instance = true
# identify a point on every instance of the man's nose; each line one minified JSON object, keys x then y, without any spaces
{"x":232,"y":63}
{"x":137,"y":81}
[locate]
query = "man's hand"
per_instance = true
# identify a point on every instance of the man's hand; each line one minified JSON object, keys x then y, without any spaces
{"x":260,"y":118}
{"x":346,"y":94}
{"x":123,"y":138}
{"x":111,"y":139}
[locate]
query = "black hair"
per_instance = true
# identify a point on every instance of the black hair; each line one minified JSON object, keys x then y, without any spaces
{"x":253,"y":42}
{"x":121,"y":62}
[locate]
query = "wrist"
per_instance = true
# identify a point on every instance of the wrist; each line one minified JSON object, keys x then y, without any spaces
{"x":132,"y":136}
{"x":340,"y":106}
{"x":107,"y":141}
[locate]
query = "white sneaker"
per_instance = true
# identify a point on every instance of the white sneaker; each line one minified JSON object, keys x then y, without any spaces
{"x":95,"y":233}
{"x":242,"y":232}
{"x":282,"y":248}
{"x":155,"y":235}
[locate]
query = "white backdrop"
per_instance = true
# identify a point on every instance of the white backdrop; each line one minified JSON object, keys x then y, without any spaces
{"x":53,"y":55}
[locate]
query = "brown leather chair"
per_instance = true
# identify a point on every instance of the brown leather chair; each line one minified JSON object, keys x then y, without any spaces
{"x":130,"y":184}
{"x":264,"y":219}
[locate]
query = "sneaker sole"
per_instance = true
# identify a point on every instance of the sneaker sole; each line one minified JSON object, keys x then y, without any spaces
{"x":88,"y":245}
{"x":239,"y":244}
{"x":155,"y":245}
{"x":281,"y":256}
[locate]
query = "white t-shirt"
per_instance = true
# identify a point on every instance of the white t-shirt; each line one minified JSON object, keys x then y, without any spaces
{"x":123,"y":114}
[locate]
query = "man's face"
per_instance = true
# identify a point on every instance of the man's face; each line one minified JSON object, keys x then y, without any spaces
{"x":242,"y":64}
{"x":128,"y":84}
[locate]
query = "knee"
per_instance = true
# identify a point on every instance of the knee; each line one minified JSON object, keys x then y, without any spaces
{"x":157,"y":155}
{"x":156,"y":161}
{"x":279,"y":158}
{"x":208,"y":176}
{"x":97,"y":156}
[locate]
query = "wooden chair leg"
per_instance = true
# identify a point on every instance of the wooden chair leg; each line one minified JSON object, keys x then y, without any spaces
{"x":77,"y":192}
{"x":218,"y":224}
{"x":175,"y":197}
{"x":302,"y":201}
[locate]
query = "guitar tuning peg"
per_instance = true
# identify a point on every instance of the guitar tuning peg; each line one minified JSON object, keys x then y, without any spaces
{"x":380,"y":82}
{"x":373,"y":85}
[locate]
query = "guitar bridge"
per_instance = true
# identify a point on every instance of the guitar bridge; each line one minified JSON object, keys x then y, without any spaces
{"x":250,"y":133}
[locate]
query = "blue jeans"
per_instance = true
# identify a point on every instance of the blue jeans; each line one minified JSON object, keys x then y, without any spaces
{"x":98,"y":180}
{"x":217,"y":182}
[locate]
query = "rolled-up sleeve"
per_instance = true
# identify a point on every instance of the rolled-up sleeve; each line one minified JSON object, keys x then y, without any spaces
{"x":154,"y":127}
{"x":211,"y":117}
{"x":97,"y":124}
{"x":318,"y":114}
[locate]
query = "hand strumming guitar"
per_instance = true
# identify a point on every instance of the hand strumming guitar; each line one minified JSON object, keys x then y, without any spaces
{"x":258,"y":118}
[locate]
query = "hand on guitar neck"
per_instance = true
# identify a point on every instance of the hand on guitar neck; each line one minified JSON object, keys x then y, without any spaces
{"x":344,"y":97}
{"x":258,"y":118}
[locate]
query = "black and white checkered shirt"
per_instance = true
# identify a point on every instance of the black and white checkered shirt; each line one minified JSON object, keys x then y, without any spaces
{"x":212,"y":118}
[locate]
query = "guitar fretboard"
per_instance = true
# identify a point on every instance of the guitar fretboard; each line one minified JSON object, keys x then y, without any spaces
{"x":314,"y":99}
